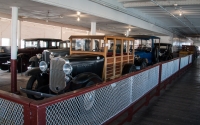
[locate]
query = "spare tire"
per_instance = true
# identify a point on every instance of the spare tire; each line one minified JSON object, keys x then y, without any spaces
{"x":155,"y":55}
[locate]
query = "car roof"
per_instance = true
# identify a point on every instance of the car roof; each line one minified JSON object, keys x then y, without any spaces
{"x":144,"y":37}
{"x":163,"y":43}
{"x":36,"y":39}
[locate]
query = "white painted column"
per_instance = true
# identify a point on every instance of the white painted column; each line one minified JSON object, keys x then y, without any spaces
{"x":14,"y":49}
{"x":93,"y":28}
{"x":19,"y":34}
{"x":61,"y":32}
{"x":93,"y":32}
{"x":14,"y":33}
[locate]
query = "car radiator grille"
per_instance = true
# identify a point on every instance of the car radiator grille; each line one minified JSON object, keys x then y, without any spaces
{"x":57,"y":76}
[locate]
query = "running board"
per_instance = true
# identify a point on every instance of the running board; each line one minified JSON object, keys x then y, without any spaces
{"x":31,"y":92}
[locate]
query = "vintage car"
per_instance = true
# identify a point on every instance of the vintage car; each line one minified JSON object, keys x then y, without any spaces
{"x":31,"y":48}
{"x":165,"y":52}
{"x":89,"y":63}
{"x":62,"y":51}
{"x":4,"y":56}
{"x":146,"y":53}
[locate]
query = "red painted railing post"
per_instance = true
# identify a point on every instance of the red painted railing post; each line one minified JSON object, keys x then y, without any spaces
{"x":130,"y":114}
{"x":179,"y":67}
{"x":38,"y":114}
{"x":159,"y":80}
{"x":27,"y":115}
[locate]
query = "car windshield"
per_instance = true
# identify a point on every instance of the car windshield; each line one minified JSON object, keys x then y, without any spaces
{"x":141,"y":45}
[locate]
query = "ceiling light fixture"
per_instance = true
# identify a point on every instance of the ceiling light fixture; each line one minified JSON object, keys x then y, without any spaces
{"x":78,"y":19}
{"x":180,"y":14}
{"x":129,"y":29}
{"x":78,"y":13}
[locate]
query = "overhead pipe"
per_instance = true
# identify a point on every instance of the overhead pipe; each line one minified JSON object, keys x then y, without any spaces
{"x":172,"y":15}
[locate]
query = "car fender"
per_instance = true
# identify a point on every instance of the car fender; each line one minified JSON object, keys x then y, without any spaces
{"x":33,"y":71}
{"x":128,"y":68}
{"x":33,"y":59}
{"x":82,"y":79}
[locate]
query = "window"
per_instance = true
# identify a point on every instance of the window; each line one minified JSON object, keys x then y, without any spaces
{"x":43,"y":44}
{"x":5,"y":42}
{"x":22,"y":43}
{"x":30,"y":44}
{"x":53,"y":43}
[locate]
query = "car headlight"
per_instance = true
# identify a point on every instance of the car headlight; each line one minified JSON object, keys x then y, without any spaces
{"x":51,"y":55}
{"x":67,"y":68}
{"x":39,"y":56}
{"x":43,"y":66}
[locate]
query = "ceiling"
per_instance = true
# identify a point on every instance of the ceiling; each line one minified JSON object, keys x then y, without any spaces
{"x":168,"y":11}
{"x":164,"y":11}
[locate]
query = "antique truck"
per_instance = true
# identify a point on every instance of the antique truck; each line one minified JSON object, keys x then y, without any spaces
{"x":146,"y":53}
{"x":90,"y":62}
{"x":31,"y":48}
{"x":165,"y":52}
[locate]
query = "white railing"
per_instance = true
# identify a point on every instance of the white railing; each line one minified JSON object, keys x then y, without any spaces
{"x":184,"y":61}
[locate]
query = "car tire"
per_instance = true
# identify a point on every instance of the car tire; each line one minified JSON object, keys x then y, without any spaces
{"x":128,"y":68}
{"x":143,"y":64}
{"x":22,"y":63}
{"x":155,"y":55}
{"x":34,"y":83}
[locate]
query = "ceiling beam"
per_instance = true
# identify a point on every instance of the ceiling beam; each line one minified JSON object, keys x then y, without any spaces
{"x":157,"y":4}
{"x":131,"y":0}
{"x":162,"y":3}
{"x":108,"y":12}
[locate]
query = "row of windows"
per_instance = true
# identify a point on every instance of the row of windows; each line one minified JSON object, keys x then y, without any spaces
{"x":6,"y":42}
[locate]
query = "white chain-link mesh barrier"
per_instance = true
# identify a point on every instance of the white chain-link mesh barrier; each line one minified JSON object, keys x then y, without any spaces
{"x":169,"y":68}
{"x":190,"y":59}
{"x":11,"y":113}
{"x":175,"y":66}
{"x":98,"y":106}
{"x":144,"y":82}
{"x":184,"y":61}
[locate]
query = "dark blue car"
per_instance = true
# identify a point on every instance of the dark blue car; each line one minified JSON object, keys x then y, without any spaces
{"x":146,"y":53}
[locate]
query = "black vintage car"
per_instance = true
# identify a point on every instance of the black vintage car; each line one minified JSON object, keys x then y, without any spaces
{"x":89,"y":63}
{"x":4,"y":56}
{"x":31,"y":48}
{"x":165,"y":52}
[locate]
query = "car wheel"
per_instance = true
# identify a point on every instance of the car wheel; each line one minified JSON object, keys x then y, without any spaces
{"x":128,"y":68}
{"x":155,"y":55}
{"x":143,"y":65}
{"x":33,"y":84}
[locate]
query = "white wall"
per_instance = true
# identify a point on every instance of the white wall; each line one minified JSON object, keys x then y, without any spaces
{"x":36,"y":30}
{"x":5,"y":29}
{"x":165,"y":39}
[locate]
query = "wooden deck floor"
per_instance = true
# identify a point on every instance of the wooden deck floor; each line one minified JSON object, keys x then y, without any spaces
{"x":179,"y":104}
